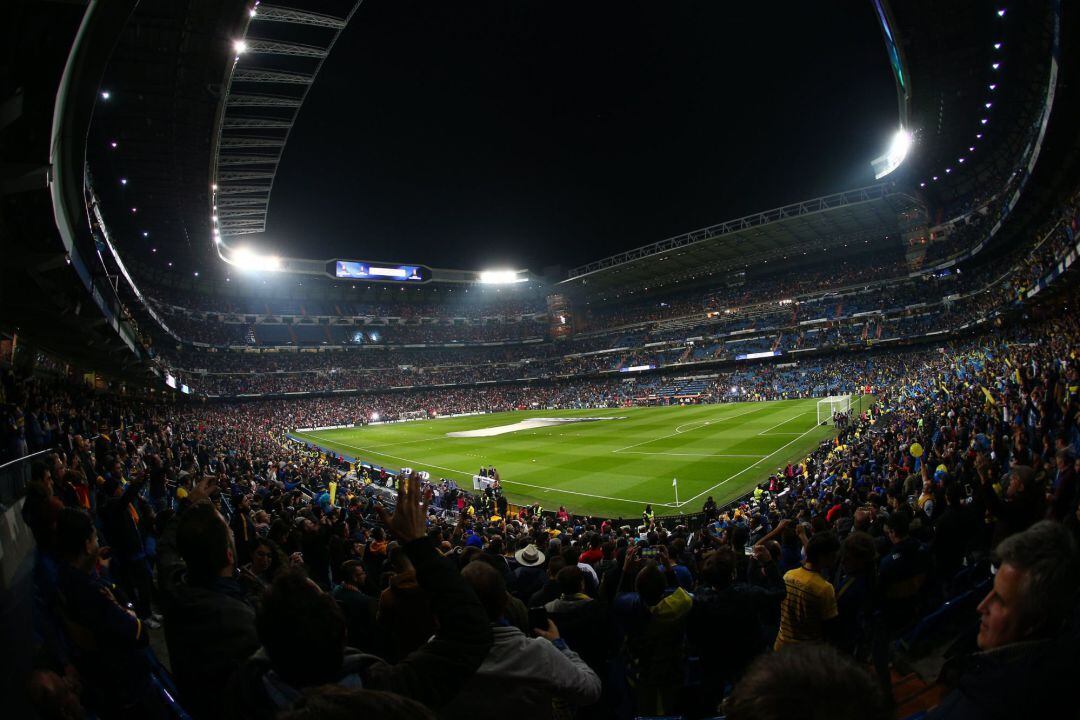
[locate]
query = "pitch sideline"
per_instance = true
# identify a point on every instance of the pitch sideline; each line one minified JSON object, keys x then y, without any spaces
{"x":506,"y":482}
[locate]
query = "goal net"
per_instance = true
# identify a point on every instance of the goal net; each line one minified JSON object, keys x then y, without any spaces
{"x":414,"y":415}
{"x":827,"y":407}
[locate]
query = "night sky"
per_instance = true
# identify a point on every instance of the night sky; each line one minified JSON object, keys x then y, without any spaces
{"x":467,"y":134}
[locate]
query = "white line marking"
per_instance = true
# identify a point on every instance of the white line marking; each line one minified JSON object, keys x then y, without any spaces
{"x":505,"y":482}
{"x":785,"y":422}
{"x":678,"y":432}
{"x":690,"y":454}
{"x":699,"y":423}
{"x":408,"y":442}
{"x":750,"y":467}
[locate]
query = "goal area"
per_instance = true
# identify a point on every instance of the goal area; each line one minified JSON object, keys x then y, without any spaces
{"x":826,"y":407}
{"x":414,"y":415}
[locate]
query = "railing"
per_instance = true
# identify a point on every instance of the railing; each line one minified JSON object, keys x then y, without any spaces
{"x":14,"y":476}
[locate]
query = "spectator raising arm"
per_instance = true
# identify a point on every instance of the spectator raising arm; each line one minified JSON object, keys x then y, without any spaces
{"x":433,"y":673}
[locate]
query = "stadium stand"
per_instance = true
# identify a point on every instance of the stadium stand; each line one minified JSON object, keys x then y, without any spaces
{"x":169,"y":548}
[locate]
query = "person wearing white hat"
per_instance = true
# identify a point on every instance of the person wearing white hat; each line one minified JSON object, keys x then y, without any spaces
{"x":529,"y":556}
{"x":530,"y":575}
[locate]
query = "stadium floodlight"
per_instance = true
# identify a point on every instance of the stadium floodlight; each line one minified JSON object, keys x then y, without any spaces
{"x":240,"y":46}
{"x":245,"y":258}
{"x":898,"y":150}
{"x":501,"y":277}
{"x":105,"y":95}
{"x":374,"y":417}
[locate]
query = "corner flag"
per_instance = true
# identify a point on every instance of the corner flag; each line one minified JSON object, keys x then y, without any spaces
{"x":675,"y":484}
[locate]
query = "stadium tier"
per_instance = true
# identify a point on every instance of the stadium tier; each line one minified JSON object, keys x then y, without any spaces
{"x":820,"y":459}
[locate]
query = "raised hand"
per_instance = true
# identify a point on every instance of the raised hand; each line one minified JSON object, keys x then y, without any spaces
{"x":409,"y":521}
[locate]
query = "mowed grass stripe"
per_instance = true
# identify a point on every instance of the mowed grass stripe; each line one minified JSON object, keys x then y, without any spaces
{"x":577,"y":464}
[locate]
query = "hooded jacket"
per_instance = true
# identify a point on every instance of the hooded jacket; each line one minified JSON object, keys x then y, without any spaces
{"x":523,"y":675}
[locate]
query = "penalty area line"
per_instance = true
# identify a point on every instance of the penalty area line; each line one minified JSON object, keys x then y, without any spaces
{"x":785,"y":422}
{"x":693,"y":422}
{"x":690,"y":454}
{"x":749,"y":467}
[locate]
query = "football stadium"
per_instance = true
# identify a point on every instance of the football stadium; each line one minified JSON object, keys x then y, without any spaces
{"x":539,"y":360}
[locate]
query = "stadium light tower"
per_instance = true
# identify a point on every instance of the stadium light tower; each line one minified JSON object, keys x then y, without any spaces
{"x":501,"y":277}
{"x":894,"y":156}
{"x":246,"y":259}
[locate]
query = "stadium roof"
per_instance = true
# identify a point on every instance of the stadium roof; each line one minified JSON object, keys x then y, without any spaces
{"x":978,"y":80}
{"x":169,"y":77}
{"x":874,"y":214}
{"x":278,"y":57}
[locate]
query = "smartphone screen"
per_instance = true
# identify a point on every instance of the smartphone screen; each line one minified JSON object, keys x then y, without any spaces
{"x":538,"y":618}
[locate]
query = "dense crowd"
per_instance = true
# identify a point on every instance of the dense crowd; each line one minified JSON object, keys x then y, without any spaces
{"x":899,"y":310}
{"x":284,"y":587}
{"x":476,"y":305}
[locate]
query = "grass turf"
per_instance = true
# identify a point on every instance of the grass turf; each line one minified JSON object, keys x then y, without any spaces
{"x":610,"y":468}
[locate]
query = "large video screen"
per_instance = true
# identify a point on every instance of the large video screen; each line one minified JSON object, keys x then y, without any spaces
{"x":360,"y":270}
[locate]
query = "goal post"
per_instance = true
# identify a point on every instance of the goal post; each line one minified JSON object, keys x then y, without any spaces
{"x":414,"y":415}
{"x":826,"y":407}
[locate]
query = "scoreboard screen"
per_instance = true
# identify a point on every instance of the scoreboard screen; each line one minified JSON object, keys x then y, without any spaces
{"x":380,"y":272}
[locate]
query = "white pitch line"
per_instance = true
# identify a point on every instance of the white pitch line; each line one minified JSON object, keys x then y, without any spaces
{"x":574,"y":492}
{"x":395,"y":457}
{"x":785,"y":422}
{"x":699,"y":423}
{"x":678,"y":432}
{"x":751,"y":467}
{"x":391,"y":444}
{"x":505,"y":482}
{"x":409,"y":442}
{"x":690,"y":454}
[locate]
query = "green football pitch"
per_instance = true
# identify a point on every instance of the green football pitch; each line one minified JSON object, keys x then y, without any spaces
{"x":610,"y":467}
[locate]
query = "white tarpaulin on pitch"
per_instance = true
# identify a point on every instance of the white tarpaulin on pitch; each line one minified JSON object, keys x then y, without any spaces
{"x":530,"y":424}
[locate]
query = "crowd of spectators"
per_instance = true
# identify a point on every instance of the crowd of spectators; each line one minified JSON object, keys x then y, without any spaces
{"x":901,"y":309}
{"x":283,"y":587}
{"x":475,"y":305}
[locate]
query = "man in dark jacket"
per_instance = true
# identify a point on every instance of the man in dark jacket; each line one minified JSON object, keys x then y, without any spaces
{"x":303,"y":633}
{"x":357,"y":607}
{"x":108,"y":640}
{"x":121,"y":516}
{"x":953,"y":533}
{"x":724,"y":626}
{"x":1028,"y":649}
{"x":209,"y":625}
{"x":1022,"y":506}
{"x":581,"y":620}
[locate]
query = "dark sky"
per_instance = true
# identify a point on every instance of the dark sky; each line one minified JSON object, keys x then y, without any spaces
{"x":470,"y":133}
